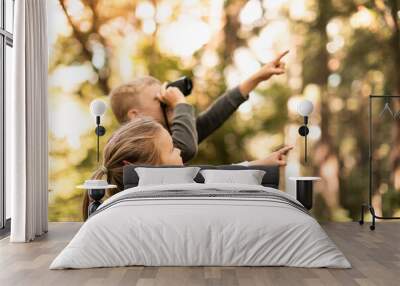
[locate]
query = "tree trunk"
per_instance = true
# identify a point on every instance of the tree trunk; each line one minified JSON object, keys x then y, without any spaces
{"x":325,"y":156}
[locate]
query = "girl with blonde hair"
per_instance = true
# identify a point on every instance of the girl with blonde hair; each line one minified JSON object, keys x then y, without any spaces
{"x":140,"y":141}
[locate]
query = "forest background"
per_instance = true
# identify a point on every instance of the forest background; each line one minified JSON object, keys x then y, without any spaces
{"x":340,"y":52}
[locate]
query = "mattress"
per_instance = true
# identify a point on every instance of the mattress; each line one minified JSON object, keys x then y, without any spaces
{"x":201,"y":225}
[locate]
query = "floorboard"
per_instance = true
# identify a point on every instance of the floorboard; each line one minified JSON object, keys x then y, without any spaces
{"x":374,"y":255}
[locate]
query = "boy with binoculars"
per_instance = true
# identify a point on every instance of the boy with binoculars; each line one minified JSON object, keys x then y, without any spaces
{"x":166,"y":104}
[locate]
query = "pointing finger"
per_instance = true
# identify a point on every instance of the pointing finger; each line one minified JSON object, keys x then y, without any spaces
{"x":286,"y":149}
{"x":279,"y":57}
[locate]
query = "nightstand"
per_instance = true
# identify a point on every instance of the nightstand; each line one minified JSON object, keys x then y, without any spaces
{"x":304,"y":190}
{"x":96,"y":190}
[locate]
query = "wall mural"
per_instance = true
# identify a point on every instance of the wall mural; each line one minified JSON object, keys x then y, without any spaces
{"x":340,"y":53}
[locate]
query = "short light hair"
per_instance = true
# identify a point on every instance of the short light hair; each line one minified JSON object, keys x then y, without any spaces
{"x":125,"y":97}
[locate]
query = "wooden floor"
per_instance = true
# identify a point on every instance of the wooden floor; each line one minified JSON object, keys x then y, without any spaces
{"x":375,"y":257}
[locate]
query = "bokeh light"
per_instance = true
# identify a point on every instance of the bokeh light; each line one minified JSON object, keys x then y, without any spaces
{"x":221,"y":44}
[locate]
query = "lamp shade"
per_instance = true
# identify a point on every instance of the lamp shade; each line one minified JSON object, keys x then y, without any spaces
{"x":305,"y":108}
{"x":97,"y":107}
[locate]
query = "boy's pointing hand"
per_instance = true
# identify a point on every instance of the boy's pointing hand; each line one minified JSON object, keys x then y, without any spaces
{"x":275,"y":67}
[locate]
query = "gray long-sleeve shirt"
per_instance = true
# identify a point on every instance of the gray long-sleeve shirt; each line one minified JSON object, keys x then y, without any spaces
{"x":188,"y":131}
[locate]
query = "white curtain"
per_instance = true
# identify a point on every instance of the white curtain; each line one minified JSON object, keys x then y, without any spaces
{"x":27,"y":124}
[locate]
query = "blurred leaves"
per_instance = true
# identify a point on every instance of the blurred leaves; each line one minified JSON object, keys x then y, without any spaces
{"x":101,"y":44}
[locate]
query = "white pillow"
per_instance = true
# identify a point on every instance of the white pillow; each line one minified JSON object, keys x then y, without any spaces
{"x":248,"y":177}
{"x":166,"y":176}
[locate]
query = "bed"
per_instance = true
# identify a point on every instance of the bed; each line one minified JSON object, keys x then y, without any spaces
{"x":201,"y":224}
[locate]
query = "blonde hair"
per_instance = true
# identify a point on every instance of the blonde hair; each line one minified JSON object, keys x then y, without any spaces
{"x":135,"y":142}
{"x":125,"y":96}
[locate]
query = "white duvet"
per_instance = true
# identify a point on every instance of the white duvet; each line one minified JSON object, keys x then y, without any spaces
{"x":206,"y":230}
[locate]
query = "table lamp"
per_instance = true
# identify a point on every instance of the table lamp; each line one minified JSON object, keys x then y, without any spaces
{"x":304,"y":109}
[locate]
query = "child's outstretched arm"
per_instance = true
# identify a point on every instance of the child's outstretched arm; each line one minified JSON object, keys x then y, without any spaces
{"x":215,"y":115}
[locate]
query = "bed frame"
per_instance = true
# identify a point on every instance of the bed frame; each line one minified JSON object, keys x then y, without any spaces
{"x":270,"y":179}
{"x":131,"y":179}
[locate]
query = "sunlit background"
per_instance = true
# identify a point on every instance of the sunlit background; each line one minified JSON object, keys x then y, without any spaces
{"x":340,"y":52}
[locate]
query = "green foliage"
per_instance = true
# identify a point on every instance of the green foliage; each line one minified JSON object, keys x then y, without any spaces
{"x":365,"y":64}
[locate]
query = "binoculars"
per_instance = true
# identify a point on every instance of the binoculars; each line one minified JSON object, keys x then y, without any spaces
{"x":184,"y":84}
